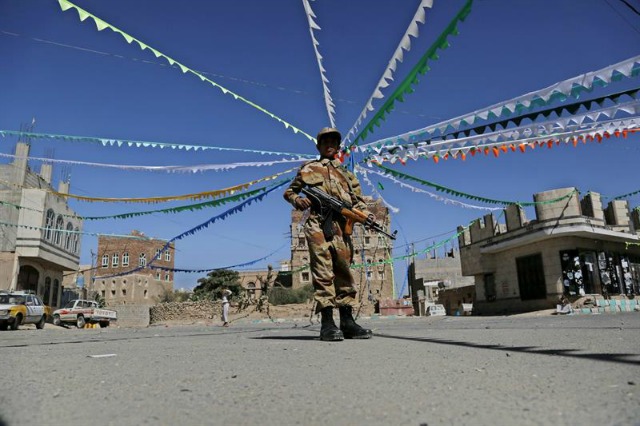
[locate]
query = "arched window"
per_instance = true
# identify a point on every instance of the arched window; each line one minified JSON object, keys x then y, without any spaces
{"x":57,"y":237}
{"x":48,"y":233}
{"x":76,"y":238}
{"x":167,"y":255}
{"x":68,"y":237}
{"x":105,"y":260}
{"x":115,"y":260}
{"x":142,"y":260}
{"x":125,"y":258}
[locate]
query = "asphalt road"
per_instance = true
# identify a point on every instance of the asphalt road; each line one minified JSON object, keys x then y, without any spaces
{"x":570,"y":370}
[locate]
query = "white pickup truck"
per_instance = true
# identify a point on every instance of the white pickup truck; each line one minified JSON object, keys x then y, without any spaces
{"x":81,"y":312}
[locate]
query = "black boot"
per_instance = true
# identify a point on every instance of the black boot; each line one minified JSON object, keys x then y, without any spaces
{"x":329,"y":332}
{"x":348,"y":325}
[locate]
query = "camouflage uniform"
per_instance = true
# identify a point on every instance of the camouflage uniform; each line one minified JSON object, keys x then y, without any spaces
{"x":330,"y":257}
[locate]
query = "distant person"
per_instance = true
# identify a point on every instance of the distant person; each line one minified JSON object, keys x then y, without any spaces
{"x":226,"y":293}
{"x":330,"y":249}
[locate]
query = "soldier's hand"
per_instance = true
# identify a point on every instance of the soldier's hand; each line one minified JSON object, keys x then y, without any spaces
{"x":302,"y":203}
{"x":371,"y":219}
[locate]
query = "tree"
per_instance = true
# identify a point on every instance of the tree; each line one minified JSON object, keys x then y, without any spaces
{"x":210,"y":287}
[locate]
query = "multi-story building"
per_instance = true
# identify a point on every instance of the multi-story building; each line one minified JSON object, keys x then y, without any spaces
{"x":39,"y":233}
{"x":370,"y":248}
{"x":140,"y":254}
{"x":573,"y":247}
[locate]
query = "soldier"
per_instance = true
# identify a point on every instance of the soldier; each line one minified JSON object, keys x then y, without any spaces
{"x":330,"y":249}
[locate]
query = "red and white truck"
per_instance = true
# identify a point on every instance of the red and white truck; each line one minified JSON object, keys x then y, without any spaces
{"x":81,"y":312}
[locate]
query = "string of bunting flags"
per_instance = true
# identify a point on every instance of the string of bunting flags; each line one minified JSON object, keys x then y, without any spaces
{"x":560,"y":91}
{"x":406,"y":86}
{"x":102,"y":25}
{"x":143,"y":144}
{"x":196,"y":196}
{"x":169,"y":169}
{"x":544,"y":128}
{"x":70,"y":231}
{"x":222,"y":216}
{"x":442,"y":188}
{"x":593,"y":132}
{"x":430,"y":194}
{"x":331,"y":107}
{"x":405,"y":45}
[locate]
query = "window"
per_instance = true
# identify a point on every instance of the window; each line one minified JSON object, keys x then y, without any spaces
{"x":167,"y":255}
{"x":302,"y":242}
{"x":103,"y":293}
{"x":157,"y":276}
{"x":381,"y":241}
{"x":369,"y":275}
{"x":124,"y":292}
{"x":76,"y":237}
{"x":68,"y":237}
{"x":105,"y":260}
{"x":145,"y":294}
{"x":166,"y":277}
{"x":113,"y":292}
{"x":305,"y":276}
{"x":48,"y":233}
{"x":57,"y":237}
{"x":125,"y":259}
{"x":158,"y":254}
{"x":367,"y":240}
{"x":142,"y":260}
{"x":114,"y":260}
{"x":381,"y":275}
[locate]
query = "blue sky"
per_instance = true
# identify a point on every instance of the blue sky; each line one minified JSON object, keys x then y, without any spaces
{"x":77,"y":81}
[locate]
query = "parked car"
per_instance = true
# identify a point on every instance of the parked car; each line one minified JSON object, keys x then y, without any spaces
{"x":436,"y":310}
{"x":22,"y":307}
{"x":81,"y":312}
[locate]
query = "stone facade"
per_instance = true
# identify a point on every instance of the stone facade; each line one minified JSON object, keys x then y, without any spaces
{"x":39,"y":233}
{"x":573,"y":247}
{"x":373,"y":282}
{"x":117,"y":255}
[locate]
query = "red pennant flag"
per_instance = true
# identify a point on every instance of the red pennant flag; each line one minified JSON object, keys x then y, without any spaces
{"x":496,"y":151}
{"x":522,"y":147}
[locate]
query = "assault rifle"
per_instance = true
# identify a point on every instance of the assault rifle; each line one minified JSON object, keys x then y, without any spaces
{"x":326,"y":204}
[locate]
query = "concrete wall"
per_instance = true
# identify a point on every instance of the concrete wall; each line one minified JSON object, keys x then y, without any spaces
{"x":132,"y":315}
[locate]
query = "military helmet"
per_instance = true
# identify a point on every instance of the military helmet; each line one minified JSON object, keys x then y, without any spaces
{"x":329,"y":131}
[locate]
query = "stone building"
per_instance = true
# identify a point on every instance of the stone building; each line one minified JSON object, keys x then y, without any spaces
{"x":439,"y":280}
{"x":373,"y":282}
{"x":39,"y":233}
{"x":117,"y":255}
{"x":573,"y":247}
